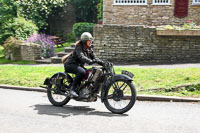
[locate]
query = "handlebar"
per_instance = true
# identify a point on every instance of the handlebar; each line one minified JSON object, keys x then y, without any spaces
{"x":108,"y":66}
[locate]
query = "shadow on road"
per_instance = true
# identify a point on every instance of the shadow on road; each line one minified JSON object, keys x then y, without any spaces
{"x":69,"y":110}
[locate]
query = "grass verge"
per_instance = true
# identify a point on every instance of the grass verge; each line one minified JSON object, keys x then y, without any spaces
{"x":61,"y":49}
{"x":187,"y":91}
{"x":145,"y":78}
{"x":6,"y":61}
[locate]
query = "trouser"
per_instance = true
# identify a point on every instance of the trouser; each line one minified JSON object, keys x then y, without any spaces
{"x":78,"y":70}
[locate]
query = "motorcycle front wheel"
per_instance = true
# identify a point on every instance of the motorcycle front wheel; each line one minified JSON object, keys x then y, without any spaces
{"x":120,"y":96}
{"x":53,"y":91}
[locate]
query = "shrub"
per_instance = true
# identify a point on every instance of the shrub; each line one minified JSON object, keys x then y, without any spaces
{"x":19,"y":28}
{"x":47,"y":45}
{"x":79,"y":28}
{"x":24,"y":28}
{"x":8,"y":11}
{"x":71,"y":37}
{"x":86,"y":10}
{"x":1,"y":51}
{"x":100,"y":10}
{"x":39,"y":10}
{"x":11,"y":46}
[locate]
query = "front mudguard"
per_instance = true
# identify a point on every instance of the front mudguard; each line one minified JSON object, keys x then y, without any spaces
{"x":122,"y":77}
{"x":111,"y":80}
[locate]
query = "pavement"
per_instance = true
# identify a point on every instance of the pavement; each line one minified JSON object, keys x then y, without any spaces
{"x":139,"y":97}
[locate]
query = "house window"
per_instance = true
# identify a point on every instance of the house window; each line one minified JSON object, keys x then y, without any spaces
{"x":130,"y":2}
{"x":161,"y":2}
{"x":196,"y":2}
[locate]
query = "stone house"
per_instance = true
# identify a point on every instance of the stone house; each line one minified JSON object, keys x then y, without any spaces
{"x":151,"y":12}
{"x":128,"y":34}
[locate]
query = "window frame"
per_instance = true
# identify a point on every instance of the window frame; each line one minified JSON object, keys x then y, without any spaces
{"x":195,"y":3}
{"x":121,"y":4}
{"x":153,"y":3}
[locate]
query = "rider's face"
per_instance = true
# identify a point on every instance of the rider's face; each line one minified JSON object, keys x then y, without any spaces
{"x":89,"y":42}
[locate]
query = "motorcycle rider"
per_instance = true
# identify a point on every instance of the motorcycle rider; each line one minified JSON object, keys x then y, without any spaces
{"x":82,"y":54}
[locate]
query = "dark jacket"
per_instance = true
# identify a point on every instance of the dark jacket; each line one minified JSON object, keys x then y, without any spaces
{"x":80,"y":56}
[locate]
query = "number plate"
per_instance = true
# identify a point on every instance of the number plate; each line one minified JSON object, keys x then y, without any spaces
{"x":127,"y":73}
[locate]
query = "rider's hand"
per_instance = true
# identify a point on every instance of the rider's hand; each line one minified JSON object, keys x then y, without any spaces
{"x":101,"y":63}
{"x":98,"y":62}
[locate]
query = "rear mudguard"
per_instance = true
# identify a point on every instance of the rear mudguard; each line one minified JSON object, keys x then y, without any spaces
{"x":112,"y":80}
{"x":59,"y":73}
{"x":48,"y":80}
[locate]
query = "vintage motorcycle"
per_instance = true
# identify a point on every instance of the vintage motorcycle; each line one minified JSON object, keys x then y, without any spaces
{"x":116,"y":91}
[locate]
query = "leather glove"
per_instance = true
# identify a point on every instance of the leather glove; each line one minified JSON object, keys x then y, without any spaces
{"x":98,"y":61}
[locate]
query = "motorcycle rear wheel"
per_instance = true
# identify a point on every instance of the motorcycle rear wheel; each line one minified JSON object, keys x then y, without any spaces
{"x":55,"y":98}
{"x":120,"y":96}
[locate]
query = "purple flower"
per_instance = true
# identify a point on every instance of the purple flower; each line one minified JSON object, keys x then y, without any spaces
{"x":47,"y":45}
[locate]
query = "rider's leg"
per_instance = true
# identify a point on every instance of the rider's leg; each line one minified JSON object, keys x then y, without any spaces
{"x":80,"y":73}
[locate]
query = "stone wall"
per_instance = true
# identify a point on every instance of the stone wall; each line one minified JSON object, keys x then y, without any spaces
{"x":27,"y":52}
{"x":16,"y":55}
{"x":30,"y":52}
{"x":147,"y":14}
{"x":139,"y":44}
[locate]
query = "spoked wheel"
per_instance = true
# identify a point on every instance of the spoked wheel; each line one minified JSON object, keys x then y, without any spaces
{"x":120,"y":97}
{"x":56,"y":91}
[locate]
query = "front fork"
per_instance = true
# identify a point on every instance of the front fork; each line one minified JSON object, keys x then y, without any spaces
{"x":107,"y":82}
{"x":111,"y":81}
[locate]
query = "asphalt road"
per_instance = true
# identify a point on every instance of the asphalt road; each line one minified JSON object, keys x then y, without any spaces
{"x":31,"y":112}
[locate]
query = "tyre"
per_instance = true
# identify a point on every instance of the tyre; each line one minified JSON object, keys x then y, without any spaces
{"x":120,"y":96}
{"x":54,"y":89}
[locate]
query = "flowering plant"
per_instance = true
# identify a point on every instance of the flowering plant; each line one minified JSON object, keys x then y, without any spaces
{"x":47,"y":45}
{"x":189,"y":25}
{"x":186,"y":26}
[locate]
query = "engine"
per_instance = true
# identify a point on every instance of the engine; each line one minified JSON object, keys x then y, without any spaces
{"x":85,"y":92}
{"x":88,"y":93}
{"x":97,"y":75}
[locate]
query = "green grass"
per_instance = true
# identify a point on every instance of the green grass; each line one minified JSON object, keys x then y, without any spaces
{"x":145,"y":78}
{"x":22,"y":75}
{"x":150,"y":78}
{"x":6,"y":61}
{"x":191,"y":91}
{"x":60,"y":49}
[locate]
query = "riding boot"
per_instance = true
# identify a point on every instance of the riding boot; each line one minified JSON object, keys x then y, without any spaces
{"x":72,"y":92}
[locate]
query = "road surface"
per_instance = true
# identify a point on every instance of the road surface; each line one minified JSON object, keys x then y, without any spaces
{"x":31,"y":112}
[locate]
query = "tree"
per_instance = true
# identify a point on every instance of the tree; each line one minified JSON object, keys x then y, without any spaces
{"x":86,"y":10}
{"x":8,"y":11}
{"x":39,"y":10}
